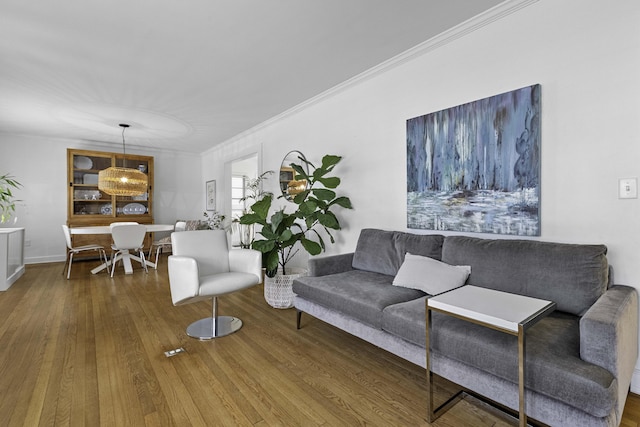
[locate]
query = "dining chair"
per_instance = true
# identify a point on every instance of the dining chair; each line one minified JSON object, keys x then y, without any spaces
{"x":111,"y":228}
{"x":165,"y":242}
{"x":71,"y":251}
{"x":202,"y":267}
{"x":127,"y":237}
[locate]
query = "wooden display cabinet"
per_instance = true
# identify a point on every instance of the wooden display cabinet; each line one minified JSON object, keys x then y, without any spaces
{"x":88,"y":206}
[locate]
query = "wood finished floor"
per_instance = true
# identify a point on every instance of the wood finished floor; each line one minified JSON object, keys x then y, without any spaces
{"x":90,"y":351}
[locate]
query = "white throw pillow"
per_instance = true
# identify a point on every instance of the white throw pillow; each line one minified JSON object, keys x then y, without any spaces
{"x":430,"y":275}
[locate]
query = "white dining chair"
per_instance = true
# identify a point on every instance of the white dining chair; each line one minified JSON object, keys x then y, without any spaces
{"x":71,"y":251}
{"x":165,"y":242}
{"x":127,"y":237}
{"x":115,"y":224}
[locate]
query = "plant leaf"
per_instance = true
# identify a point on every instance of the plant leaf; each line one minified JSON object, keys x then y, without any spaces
{"x":262,"y":206}
{"x":312,"y":247}
{"x":276,"y":219}
{"x":267,"y":228}
{"x":285,"y":236}
{"x":300,"y":172}
{"x":263,"y":246}
{"x":330,"y":182}
{"x":323,"y":193}
{"x":308,"y":207}
{"x":329,"y":220}
{"x":343,"y":201}
{"x":251,"y":218}
{"x":300,"y":197}
{"x":330,"y":160}
{"x":271,"y":263}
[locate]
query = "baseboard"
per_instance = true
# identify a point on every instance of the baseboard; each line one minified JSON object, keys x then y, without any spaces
{"x":635,"y":381}
{"x":44,"y":259}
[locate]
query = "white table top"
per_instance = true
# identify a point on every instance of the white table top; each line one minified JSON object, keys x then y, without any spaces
{"x":105,"y":229}
{"x":496,"y":308}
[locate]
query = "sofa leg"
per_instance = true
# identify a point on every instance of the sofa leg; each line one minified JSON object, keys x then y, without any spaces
{"x":298,"y":318}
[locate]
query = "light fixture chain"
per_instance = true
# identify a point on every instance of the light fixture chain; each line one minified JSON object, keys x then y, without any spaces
{"x":124,"y":150}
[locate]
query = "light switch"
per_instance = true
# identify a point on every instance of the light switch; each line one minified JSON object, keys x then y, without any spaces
{"x":628,"y":188}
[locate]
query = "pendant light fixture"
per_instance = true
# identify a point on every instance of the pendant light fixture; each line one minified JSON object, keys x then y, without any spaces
{"x":122,"y":181}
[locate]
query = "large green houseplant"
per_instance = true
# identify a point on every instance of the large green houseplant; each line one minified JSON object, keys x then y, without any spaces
{"x":313,"y":213}
{"x":7,"y":199}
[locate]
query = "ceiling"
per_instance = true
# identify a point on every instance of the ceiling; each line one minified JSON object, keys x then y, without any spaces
{"x":187,"y":75}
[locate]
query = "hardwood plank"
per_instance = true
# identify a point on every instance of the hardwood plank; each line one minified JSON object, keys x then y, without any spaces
{"x":90,"y":351}
{"x":34,"y":345}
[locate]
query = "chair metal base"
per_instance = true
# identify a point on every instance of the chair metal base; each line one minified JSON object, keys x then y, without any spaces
{"x":206,"y":329}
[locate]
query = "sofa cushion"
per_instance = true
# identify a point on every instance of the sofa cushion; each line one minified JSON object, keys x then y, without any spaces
{"x":376,"y":252}
{"x":429,"y":245}
{"x":553,"y":364}
{"x":573,"y":276}
{"x":430,"y":275}
{"x":356,"y":293}
{"x":406,"y":320}
{"x":383,"y":251}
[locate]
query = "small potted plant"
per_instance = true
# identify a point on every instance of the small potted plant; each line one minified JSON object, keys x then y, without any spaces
{"x":312,"y":219}
{"x":212,"y":221}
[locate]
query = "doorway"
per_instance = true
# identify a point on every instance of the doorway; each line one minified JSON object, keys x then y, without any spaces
{"x":242,"y":171}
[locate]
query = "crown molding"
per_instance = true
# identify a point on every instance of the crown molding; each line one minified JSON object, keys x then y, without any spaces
{"x":479,"y":21}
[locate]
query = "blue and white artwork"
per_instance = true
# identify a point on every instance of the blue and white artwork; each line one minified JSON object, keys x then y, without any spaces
{"x":476,"y":167}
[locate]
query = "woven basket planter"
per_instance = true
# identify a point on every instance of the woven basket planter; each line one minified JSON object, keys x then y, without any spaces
{"x":278,"y":291}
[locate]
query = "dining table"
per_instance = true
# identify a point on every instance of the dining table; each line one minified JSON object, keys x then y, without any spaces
{"x":126,"y":257}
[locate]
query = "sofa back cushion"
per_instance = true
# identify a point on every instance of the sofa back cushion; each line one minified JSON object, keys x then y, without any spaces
{"x":383,"y":251}
{"x":573,"y":276}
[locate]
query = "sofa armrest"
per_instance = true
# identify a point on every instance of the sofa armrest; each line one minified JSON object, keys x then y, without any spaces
{"x":609,"y":332}
{"x":332,"y":264}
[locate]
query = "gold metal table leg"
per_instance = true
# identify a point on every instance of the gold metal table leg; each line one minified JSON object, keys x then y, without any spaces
{"x":433,"y":412}
{"x":521,"y":375}
{"x":430,"y":408}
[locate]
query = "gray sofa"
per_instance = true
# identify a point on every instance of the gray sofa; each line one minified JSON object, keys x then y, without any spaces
{"x":580,"y":359}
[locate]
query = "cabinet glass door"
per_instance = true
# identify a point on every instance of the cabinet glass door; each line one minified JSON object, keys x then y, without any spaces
{"x":87,"y":199}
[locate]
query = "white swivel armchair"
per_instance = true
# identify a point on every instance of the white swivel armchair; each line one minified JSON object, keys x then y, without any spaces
{"x":127,"y":237}
{"x":202,"y":267}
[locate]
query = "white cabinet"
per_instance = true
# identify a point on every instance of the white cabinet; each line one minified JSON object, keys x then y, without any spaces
{"x":11,"y":256}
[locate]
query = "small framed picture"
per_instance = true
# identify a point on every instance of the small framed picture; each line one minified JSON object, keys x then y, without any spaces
{"x":211,"y":195}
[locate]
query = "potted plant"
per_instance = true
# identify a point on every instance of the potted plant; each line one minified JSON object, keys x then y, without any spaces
{"x":254,"y":192}
{"x":7,"y":200}
{"x":312,"y":218}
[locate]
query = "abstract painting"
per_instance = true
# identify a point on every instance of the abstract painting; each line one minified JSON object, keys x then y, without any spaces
{"x":476,"y":167}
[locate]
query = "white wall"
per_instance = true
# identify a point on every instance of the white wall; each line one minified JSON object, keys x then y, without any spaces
{"x":40,"y":165}
{"x":217,"y":165}
{"x":586,"y":56}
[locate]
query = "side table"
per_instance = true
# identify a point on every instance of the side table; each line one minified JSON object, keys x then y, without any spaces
{"x":509,"y":313}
